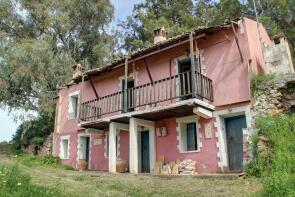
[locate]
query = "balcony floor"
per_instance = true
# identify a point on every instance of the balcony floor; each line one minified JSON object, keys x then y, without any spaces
{"x":173,"y":110}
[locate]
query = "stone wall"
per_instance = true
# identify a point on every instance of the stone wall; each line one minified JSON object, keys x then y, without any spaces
{"x":45,"y":149}
{"x":278,"y":56}
{"x":277,"y":96}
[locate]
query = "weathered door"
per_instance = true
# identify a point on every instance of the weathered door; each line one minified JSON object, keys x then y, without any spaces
{"x":145,"y":152}
{"x":87,"y":149}
{"x":184,"y":68}
{"x":234,"y":133}
{"x":191,"y":137}
{"x":130,"y":95}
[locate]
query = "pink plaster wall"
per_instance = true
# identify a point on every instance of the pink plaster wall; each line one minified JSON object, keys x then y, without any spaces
{"x":72,"y":161}
{"x":98,"y":159}
{"x":67,"y":125}
{"x":222,"y":64}
{"x":256,"y":55}
{"x":229,"y":74}
{"x":206,"y":159}
{"x":124,"y":145}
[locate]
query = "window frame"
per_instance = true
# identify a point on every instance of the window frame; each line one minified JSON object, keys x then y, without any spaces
{"x":182,"y":131}
{"x":62,"y":151}
{"x":76,"y":115}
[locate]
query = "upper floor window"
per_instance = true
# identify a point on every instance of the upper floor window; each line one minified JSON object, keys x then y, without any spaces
{"x":73,"y":110}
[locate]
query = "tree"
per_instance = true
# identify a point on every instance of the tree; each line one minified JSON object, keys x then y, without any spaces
{"x":175,"y":15}
{"x":32,"y":132}
{"x":278,"y":16}
{"x":40,"y":40}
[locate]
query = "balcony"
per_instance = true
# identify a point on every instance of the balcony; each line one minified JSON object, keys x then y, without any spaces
{"x":169,"y":97}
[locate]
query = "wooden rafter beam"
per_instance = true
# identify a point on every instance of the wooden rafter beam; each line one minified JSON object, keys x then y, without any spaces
{"x":237,"y":42}
{"x":148,"y":71}
{"x":94,"y":90}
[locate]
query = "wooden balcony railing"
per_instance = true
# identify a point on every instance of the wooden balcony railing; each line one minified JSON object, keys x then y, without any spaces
{"x":175,"y":88}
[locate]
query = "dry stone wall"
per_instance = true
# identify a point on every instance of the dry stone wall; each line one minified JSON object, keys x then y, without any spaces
{"x":277,"y":96}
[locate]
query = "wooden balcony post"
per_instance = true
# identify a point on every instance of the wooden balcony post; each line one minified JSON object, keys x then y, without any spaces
{"x":193,"y":65}
{"x":81,"y":115}
{"x":126,"y":84}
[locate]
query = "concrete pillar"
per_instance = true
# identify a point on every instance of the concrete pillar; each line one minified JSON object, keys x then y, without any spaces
{"x":112,"y":147}
{"x":133,"y":149}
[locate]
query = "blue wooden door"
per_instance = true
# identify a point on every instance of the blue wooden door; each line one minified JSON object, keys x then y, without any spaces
{"x":145,"y":152}
{"x":234,"y":134}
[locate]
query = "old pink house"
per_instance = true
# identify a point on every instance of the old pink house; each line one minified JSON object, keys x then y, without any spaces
{"x":186,"y":97}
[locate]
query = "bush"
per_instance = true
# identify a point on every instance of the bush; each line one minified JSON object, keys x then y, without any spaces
{"x":33,"y":131}
{"x":38,"y":141}
{"x":32,"y":160}
{"x":14,"y":183}
{"x":277,"y":165}
{"x":50,"y":160}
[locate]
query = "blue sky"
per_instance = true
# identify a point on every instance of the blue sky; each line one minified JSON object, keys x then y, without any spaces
{"x":8,"y":126}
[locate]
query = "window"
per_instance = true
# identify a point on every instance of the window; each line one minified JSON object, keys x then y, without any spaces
{"x":64,"y":154}
{"x":189,"y":140}
{"x":191,"y":136}
{"x":73,"y":106}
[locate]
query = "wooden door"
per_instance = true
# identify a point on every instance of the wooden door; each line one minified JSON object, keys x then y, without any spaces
{"x":145,"y":151}
{"x":87,"y":149}
{"x":191,"y":137}
{"x":130,"y":95}
{"x":185,"y":78}
{"x":234,"y":134}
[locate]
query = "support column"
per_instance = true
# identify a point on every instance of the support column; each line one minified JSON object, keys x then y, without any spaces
{"x":133,"y":146}
{"x":112,"y":147}
{"x":193,"y":65}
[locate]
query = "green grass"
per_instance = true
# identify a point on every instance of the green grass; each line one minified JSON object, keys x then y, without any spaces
{"x":74,"y":183}
{"x":15,"y":184}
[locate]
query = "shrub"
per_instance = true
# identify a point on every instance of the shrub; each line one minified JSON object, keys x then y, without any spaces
{"x":14,"y":183}
{"x":33,"y":160}
{"x":50,"y":160}
{"x":277,"y":165}
{"x":33,"y":131}
{"x":38,"y":141}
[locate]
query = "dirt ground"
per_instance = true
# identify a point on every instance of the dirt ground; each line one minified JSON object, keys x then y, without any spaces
{"x":74,"y":183}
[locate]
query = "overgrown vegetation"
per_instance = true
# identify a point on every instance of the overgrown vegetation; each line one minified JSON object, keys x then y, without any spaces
{"x":32,"y":132}
{"x":16,"y":184}
{"x":49,"y":161}
{"x":259,"y":82}
{"x":274,"y":160}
